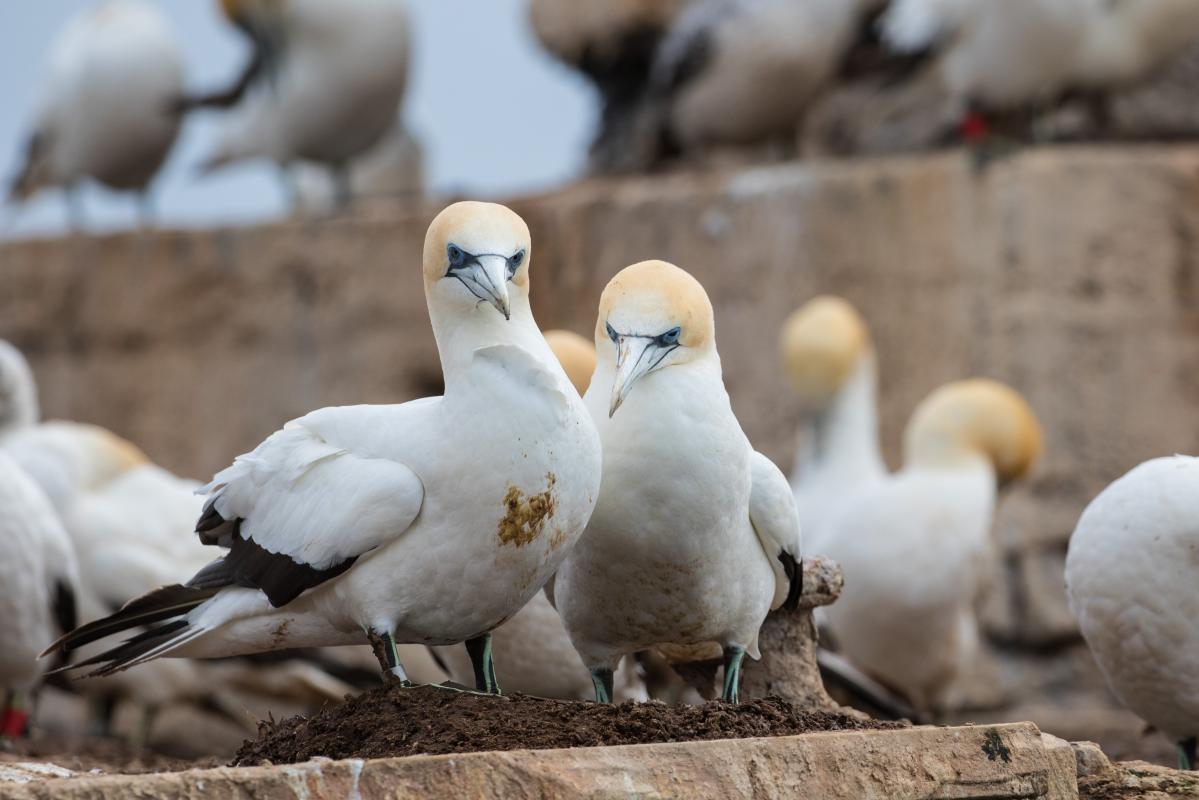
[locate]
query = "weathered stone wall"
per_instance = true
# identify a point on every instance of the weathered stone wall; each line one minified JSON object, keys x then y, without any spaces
{"x":1069,"y":273}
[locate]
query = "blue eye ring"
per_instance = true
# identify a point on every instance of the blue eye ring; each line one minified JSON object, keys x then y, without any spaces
{"x":514,"y":262}
{"x":455,"y":254}
{"x":671,"y":337}
{"x":611,"y":331}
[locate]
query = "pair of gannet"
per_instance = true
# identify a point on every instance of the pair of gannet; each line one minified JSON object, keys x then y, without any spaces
{"x":324,"y":82}
{"x":129,"y":522}
{"x":1022,"y":55}
{"x":915,"y":546}
{"x":695,"y":537}
{"x":38,"y":580}
{"x":429,"y":522}
{"x":104,"y":112}
{"x":738,"y":72}
{"x":1131,"y":579}
{"x":533,"y":649}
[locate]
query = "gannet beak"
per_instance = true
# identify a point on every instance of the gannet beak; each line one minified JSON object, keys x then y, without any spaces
{"x":486,"y":277}
{"x":634,"y":358}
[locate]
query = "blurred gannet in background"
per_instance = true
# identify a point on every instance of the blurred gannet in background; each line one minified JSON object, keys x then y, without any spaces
{"x":612,"y":43}
{"x":533,"y":648}
{"x":915,"y":546}
{"x":1127,"y":41}
{"x":830,"y":358}
{"x":391,"y":171}
{"x":743,"y":72}
{"x":1130,"y":576}
{"x":38,"y":579}
{"x":104,"y":111}
{"x":1010,"y":58}
{"x":129,"y":522}
{"x":695,"y":536}
{"x":428,"y":522}
{"x":324,"y":82}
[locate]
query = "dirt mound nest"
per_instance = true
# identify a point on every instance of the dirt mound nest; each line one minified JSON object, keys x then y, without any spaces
{"x":392,"y":721}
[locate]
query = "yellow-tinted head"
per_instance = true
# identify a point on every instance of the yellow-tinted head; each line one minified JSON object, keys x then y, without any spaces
{"x":575,"y":354}
{"x":478,"y":253}
{"x":652,"y":315}
{"x":976,"y":416}
{"x":822,"y":342}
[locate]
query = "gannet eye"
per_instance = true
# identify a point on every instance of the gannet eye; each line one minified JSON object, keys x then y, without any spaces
{"x":611,"y":331}
{"x":456,"y":255}
{"x":515,"y":261}
{"x":670,"y":338}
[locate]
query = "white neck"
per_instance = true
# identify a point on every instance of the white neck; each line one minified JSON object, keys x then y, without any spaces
{"x":840,"y":442}
{"x":459,"y":335}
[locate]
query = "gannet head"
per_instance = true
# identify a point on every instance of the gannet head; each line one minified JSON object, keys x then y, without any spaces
{"x":18,"y":391}
{"x":652,"y":315}
{"x":821,"y":342}
{"x":575,"y":354}
{"x":477,"y":253}
{"x":975,"y":416}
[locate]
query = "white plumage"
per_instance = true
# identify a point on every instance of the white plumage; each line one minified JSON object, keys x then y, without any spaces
{"x":325,"y":82}
{"x":429,"y":522}
{"x":1131,"y":578}
{"x":38,"y":577}
{"x":1127,"y":40}
{"x":104,"y":110}
{"x":695,"y":536}
{"x":745,"y":71}
{"x":915,"y":546}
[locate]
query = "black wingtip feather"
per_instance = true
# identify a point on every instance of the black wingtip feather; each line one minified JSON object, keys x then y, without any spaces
{"x":794,"y":572}
{"x":158,"y":605}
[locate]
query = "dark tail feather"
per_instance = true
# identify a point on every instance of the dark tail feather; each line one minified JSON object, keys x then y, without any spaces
{"x":837,"y":671}
{"x":158,"y":605}
{"x":794,"y":572}
{"x":117,"y":658}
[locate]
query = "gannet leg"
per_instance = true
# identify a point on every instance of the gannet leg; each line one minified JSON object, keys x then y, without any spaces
{"x":733,"y":654}
{"x":343,"y":194}
{"x":389,"y":658}
{"x":601,"y":677}
{"x":479,"y":649}
{"x":1186,"y":753}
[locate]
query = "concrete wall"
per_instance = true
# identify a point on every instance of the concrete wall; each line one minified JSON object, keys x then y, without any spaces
{"x":1070,"y":273}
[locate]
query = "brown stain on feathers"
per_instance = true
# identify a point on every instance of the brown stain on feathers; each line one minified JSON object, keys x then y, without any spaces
{"x":525,"y":517}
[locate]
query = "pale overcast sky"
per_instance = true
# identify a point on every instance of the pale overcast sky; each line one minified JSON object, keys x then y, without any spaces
{"x":476,"y":54}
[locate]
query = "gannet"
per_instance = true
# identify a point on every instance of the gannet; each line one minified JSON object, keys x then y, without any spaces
{"x":915,"y":546}
{"x":1126,"y":41}
{"x":739,"y":72}
{"x":428,"y":522}
{"x":612,"y":44}
{"x":695,"y":536}
{"x":533,"y":648}
{"x":1130,"y":576}
{"x":992,"y":58}
{"x":324,"y":82}
{"x":829,"y":356}
{"x":104,"y":111}
{"x":38,"y":578}
{"x":391,"y":171}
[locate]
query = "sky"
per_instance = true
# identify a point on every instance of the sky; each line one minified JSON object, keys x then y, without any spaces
{"x":469,"y":54}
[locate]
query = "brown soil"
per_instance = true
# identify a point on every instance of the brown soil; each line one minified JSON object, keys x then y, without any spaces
{"x":393,"y":721}
{"x":107,"y":755}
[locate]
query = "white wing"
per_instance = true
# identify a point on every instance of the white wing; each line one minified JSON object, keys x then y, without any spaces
{"x":776,"y":522}
{"x":306,"y":503}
